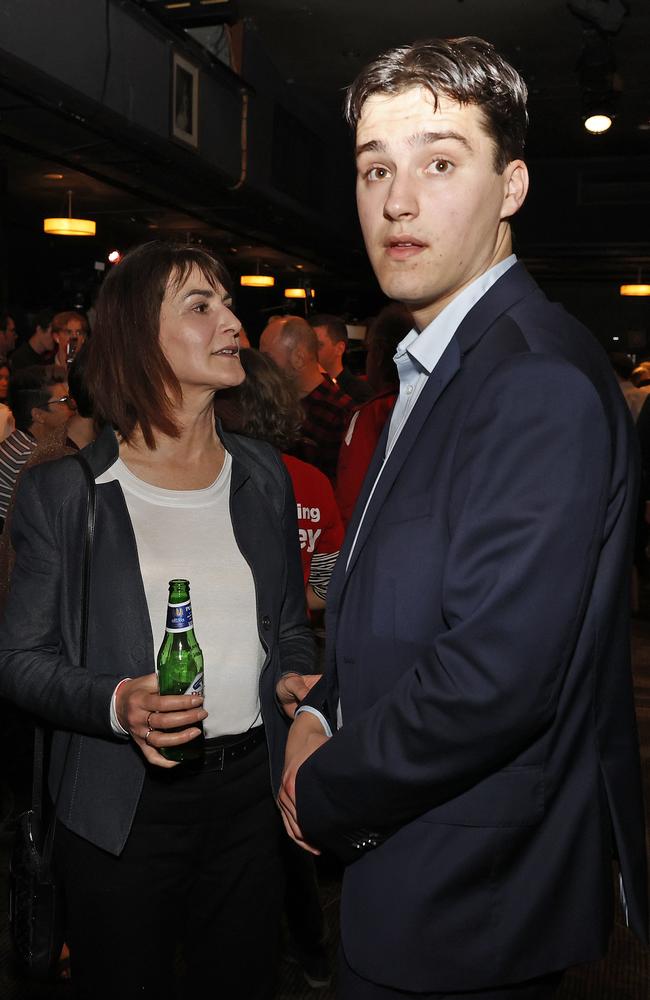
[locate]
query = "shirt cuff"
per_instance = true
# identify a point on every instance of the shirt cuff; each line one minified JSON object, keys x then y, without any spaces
{"x":117,"y":728}
{"x":314,"y":711}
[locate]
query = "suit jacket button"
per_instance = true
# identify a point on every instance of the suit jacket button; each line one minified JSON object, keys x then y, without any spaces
{"x":266,"y":623}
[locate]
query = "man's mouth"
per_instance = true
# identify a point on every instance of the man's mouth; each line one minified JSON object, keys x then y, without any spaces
{"x":403,"y":247}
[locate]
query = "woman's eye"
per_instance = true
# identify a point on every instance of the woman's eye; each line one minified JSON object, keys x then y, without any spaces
{"x":200,"y":307}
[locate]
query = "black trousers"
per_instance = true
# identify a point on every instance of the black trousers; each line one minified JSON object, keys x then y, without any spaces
{"x":350,"y":986}
{"x":198,"y":890}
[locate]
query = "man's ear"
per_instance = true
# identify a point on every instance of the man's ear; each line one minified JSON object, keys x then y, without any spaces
{"x":297,"y":358}
{"x":38,"y":415}
{"x":515,"y":178}
{"x":340,"y":349}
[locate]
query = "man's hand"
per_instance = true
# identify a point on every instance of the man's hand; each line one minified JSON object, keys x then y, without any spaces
{"x":305,"y":736}
{"x":148,"y":717}
{"x":293,"y":688}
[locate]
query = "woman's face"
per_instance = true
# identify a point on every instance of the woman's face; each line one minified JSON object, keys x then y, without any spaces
{"x":199,"y":335}
{"x":4,"y":382}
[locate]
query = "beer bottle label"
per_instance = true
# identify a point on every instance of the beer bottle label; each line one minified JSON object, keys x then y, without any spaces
{"x":196,"y":687}
{"x":179,"y":617}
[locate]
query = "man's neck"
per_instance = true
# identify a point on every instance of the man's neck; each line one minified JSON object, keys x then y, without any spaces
{"x":308,"y":380}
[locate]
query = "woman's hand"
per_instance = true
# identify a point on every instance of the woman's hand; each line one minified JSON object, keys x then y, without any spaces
{"x":148,"y":717}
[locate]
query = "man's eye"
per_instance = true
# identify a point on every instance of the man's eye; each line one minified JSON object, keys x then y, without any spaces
{"x":376,"y":174}
{"x":440,"y":166}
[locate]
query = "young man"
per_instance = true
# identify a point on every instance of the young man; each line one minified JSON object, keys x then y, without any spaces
{"x":332,"y":335}
{"x":483,"y":768}
{"x":39,"y":349}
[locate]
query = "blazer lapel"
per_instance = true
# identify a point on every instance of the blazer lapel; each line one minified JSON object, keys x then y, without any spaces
{"x":514,"y":285}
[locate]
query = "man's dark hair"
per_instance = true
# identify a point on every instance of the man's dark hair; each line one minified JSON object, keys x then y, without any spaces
{"x":29,"y":388}
{"x":466,"y":70}
{"x":265,"y":405}
{"x":334,"y":325}
{"x":128,"y":377}
{"x":43,"y":318}
{"x":77,"y":383}
{"x":4,"y":316}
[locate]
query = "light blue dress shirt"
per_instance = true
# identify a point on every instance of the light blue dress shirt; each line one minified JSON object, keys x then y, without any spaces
{"x":415,"y":359}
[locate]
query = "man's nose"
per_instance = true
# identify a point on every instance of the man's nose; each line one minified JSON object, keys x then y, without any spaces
{"x":401,"y":201}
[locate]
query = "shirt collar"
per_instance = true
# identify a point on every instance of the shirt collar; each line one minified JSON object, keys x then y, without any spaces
{"x":426,"y":348}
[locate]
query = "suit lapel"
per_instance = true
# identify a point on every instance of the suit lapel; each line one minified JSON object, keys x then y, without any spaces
{"x":513,"y":286}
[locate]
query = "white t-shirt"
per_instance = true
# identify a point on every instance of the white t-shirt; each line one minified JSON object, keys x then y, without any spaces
{"x":188,"y":535}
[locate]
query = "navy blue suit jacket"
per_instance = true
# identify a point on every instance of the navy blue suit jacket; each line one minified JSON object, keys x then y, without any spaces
{"x":478,"y":644}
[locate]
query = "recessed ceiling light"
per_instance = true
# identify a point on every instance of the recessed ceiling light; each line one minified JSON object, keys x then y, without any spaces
{"x":597,"y":124}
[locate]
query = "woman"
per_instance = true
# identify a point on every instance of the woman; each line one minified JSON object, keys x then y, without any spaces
{"x":7,"y":424}
{"x":155,"y":855}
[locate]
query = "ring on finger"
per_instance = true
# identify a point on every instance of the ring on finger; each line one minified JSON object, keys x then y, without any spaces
{"x":147,"y":735}
{"x":148,"y":722}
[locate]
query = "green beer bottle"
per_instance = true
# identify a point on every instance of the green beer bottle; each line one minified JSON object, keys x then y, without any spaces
{"x":180,"y":662}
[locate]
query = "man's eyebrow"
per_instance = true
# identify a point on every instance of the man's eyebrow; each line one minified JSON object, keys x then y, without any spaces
{"x":417,"y":139}
{"x":374,"y":146}
{"x":428,"y":138}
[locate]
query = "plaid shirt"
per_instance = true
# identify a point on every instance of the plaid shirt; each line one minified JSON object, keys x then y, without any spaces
{"x":327,"y":413}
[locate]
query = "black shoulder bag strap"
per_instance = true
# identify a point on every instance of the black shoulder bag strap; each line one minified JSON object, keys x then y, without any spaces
{"x":39,"y":732}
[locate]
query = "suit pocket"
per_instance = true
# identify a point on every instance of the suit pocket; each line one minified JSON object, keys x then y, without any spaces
{"x":510,"y":798}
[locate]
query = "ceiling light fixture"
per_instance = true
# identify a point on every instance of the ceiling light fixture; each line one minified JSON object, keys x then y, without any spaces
{"x":597,"y":124}
{"x":635,"y":289}
{"x":257,"y":280}
{"x":69,"y":226}
{"x":298,"y":293}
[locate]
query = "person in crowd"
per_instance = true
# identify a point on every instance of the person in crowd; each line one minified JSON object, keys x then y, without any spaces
{"x":39,"y":349}
{"x":61,"y":440}
{"x":7,"y":334}
{"x":266,"y":406}
{"x":332,"y":335}
{"x":365,"y":427}
{"x":7,"y":423}
{"x":199,"y":843}
{"x":69,"y":331}
{"x":40,"y":403}
{"x":292,"y":344}
{"x":485,"y":768}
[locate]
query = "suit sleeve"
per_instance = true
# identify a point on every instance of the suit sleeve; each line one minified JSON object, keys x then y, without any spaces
{"x":526,"y":515}
{"x":297,"y":647}
{"x":34,"y":672}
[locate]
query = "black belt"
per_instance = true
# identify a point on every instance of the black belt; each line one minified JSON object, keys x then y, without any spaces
{"x":222,"y":750}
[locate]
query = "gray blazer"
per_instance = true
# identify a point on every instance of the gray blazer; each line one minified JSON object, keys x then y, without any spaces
{"x":40,"y":630}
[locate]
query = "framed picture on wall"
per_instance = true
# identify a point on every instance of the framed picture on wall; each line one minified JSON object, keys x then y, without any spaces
{"x":185,"y":101}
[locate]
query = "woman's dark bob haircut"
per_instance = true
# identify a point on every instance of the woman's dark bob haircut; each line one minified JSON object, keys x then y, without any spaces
{"x":127,"y":376}
{"x":466,"y":70}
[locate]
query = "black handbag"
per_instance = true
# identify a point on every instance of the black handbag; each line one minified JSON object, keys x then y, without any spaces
{"x":36,"y":904}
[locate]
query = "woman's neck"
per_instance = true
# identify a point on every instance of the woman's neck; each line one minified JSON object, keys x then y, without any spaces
{"x":191,"y":461}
